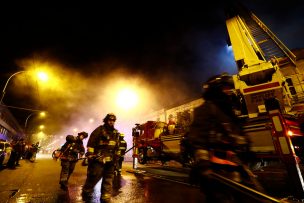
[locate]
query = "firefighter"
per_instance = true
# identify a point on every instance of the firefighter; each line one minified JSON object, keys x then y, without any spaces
{"x":171,"y":124}
{"x":217,"y":139}
{"x":34,"y":149}
{"x":18,"y":147}
{"x":72,"y":148}
{"x":120,"y":153}
{"x":101,"y":153}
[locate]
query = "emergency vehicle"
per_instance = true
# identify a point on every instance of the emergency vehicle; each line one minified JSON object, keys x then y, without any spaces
{"x":269,"y":88}
{"x":269,"y":95}
{"x":159,"y":141}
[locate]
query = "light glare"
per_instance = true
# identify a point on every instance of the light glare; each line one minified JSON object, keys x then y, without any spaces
{"x":127,"y":99}
{"x":42,"y":76}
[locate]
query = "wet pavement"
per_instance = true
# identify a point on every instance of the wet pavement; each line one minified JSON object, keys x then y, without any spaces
{"x":151,"y":183}
{"x":171,"y":172}
{"x":38,"y":182}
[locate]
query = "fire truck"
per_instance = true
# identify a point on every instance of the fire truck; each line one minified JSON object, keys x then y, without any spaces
{"x":161,"y":141}
{"x":270,"y":94}
{"x":269,"y":88}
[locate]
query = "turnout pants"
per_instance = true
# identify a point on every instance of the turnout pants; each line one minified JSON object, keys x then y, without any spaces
{"x":67,"y":168}
{"x":120,"y":160}
{"x":95,"y":172}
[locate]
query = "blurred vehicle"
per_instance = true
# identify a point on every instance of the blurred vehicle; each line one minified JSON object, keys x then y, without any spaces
{"x":31,"y":151}
{"x":5,"y":153}
{"x":154,"y":140}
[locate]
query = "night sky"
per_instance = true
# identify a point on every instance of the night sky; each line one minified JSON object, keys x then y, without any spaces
{"x":172,"y":47}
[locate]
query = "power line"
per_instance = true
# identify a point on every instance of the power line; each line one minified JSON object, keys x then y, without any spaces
{"x":26,"y":109}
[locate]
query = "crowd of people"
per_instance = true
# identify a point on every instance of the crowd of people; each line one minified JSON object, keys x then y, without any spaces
{"x":104,"y":156}
{"x":19,"y":149}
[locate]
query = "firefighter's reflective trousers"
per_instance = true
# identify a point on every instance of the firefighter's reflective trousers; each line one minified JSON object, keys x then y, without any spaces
{"x":67,"y":168}
{"x":97,"y":170}
{"x":120,"y":160}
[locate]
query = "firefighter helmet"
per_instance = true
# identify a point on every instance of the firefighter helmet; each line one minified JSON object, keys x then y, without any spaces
{"x":217,"y":87}
{"x":109,"y":116}
{"x":85,"y":134}
{"x":221,"y":81}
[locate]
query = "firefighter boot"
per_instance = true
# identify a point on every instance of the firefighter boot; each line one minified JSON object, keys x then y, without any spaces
{"x":86,"y":196}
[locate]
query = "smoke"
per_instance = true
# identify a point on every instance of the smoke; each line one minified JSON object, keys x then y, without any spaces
{"x":77,"y":99}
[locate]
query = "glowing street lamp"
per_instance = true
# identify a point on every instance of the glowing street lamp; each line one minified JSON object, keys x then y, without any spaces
{"x":41,"y":114}
{"x":3,"y":91}
{"x":41,"y":75}
{"x":41,"y":127}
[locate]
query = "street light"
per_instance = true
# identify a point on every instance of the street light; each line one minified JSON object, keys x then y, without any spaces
{"x":3,"y":91}
{"x":42,"y":114}
{"x":41,"y":75}
{"x":41,"y":127}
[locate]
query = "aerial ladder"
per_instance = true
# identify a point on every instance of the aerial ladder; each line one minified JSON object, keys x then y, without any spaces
{"x":269,"y":85}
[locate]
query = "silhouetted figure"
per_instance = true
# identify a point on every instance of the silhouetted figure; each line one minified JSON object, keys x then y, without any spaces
{"x":217,"y":139}
{"x":69,"y":156}
{"x":122,"y":147}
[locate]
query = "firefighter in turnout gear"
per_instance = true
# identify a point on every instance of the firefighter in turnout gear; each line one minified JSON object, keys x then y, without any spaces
{"x":69,"y":156}
{"x":217,"y":140}
{"x":120,"y":153}
{"x":101,"y":152}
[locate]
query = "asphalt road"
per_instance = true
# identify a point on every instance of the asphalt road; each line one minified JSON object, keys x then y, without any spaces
{"x":38,"y":182}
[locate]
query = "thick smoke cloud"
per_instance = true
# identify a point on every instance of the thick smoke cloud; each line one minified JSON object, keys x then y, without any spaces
{"x":78,"y":102}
